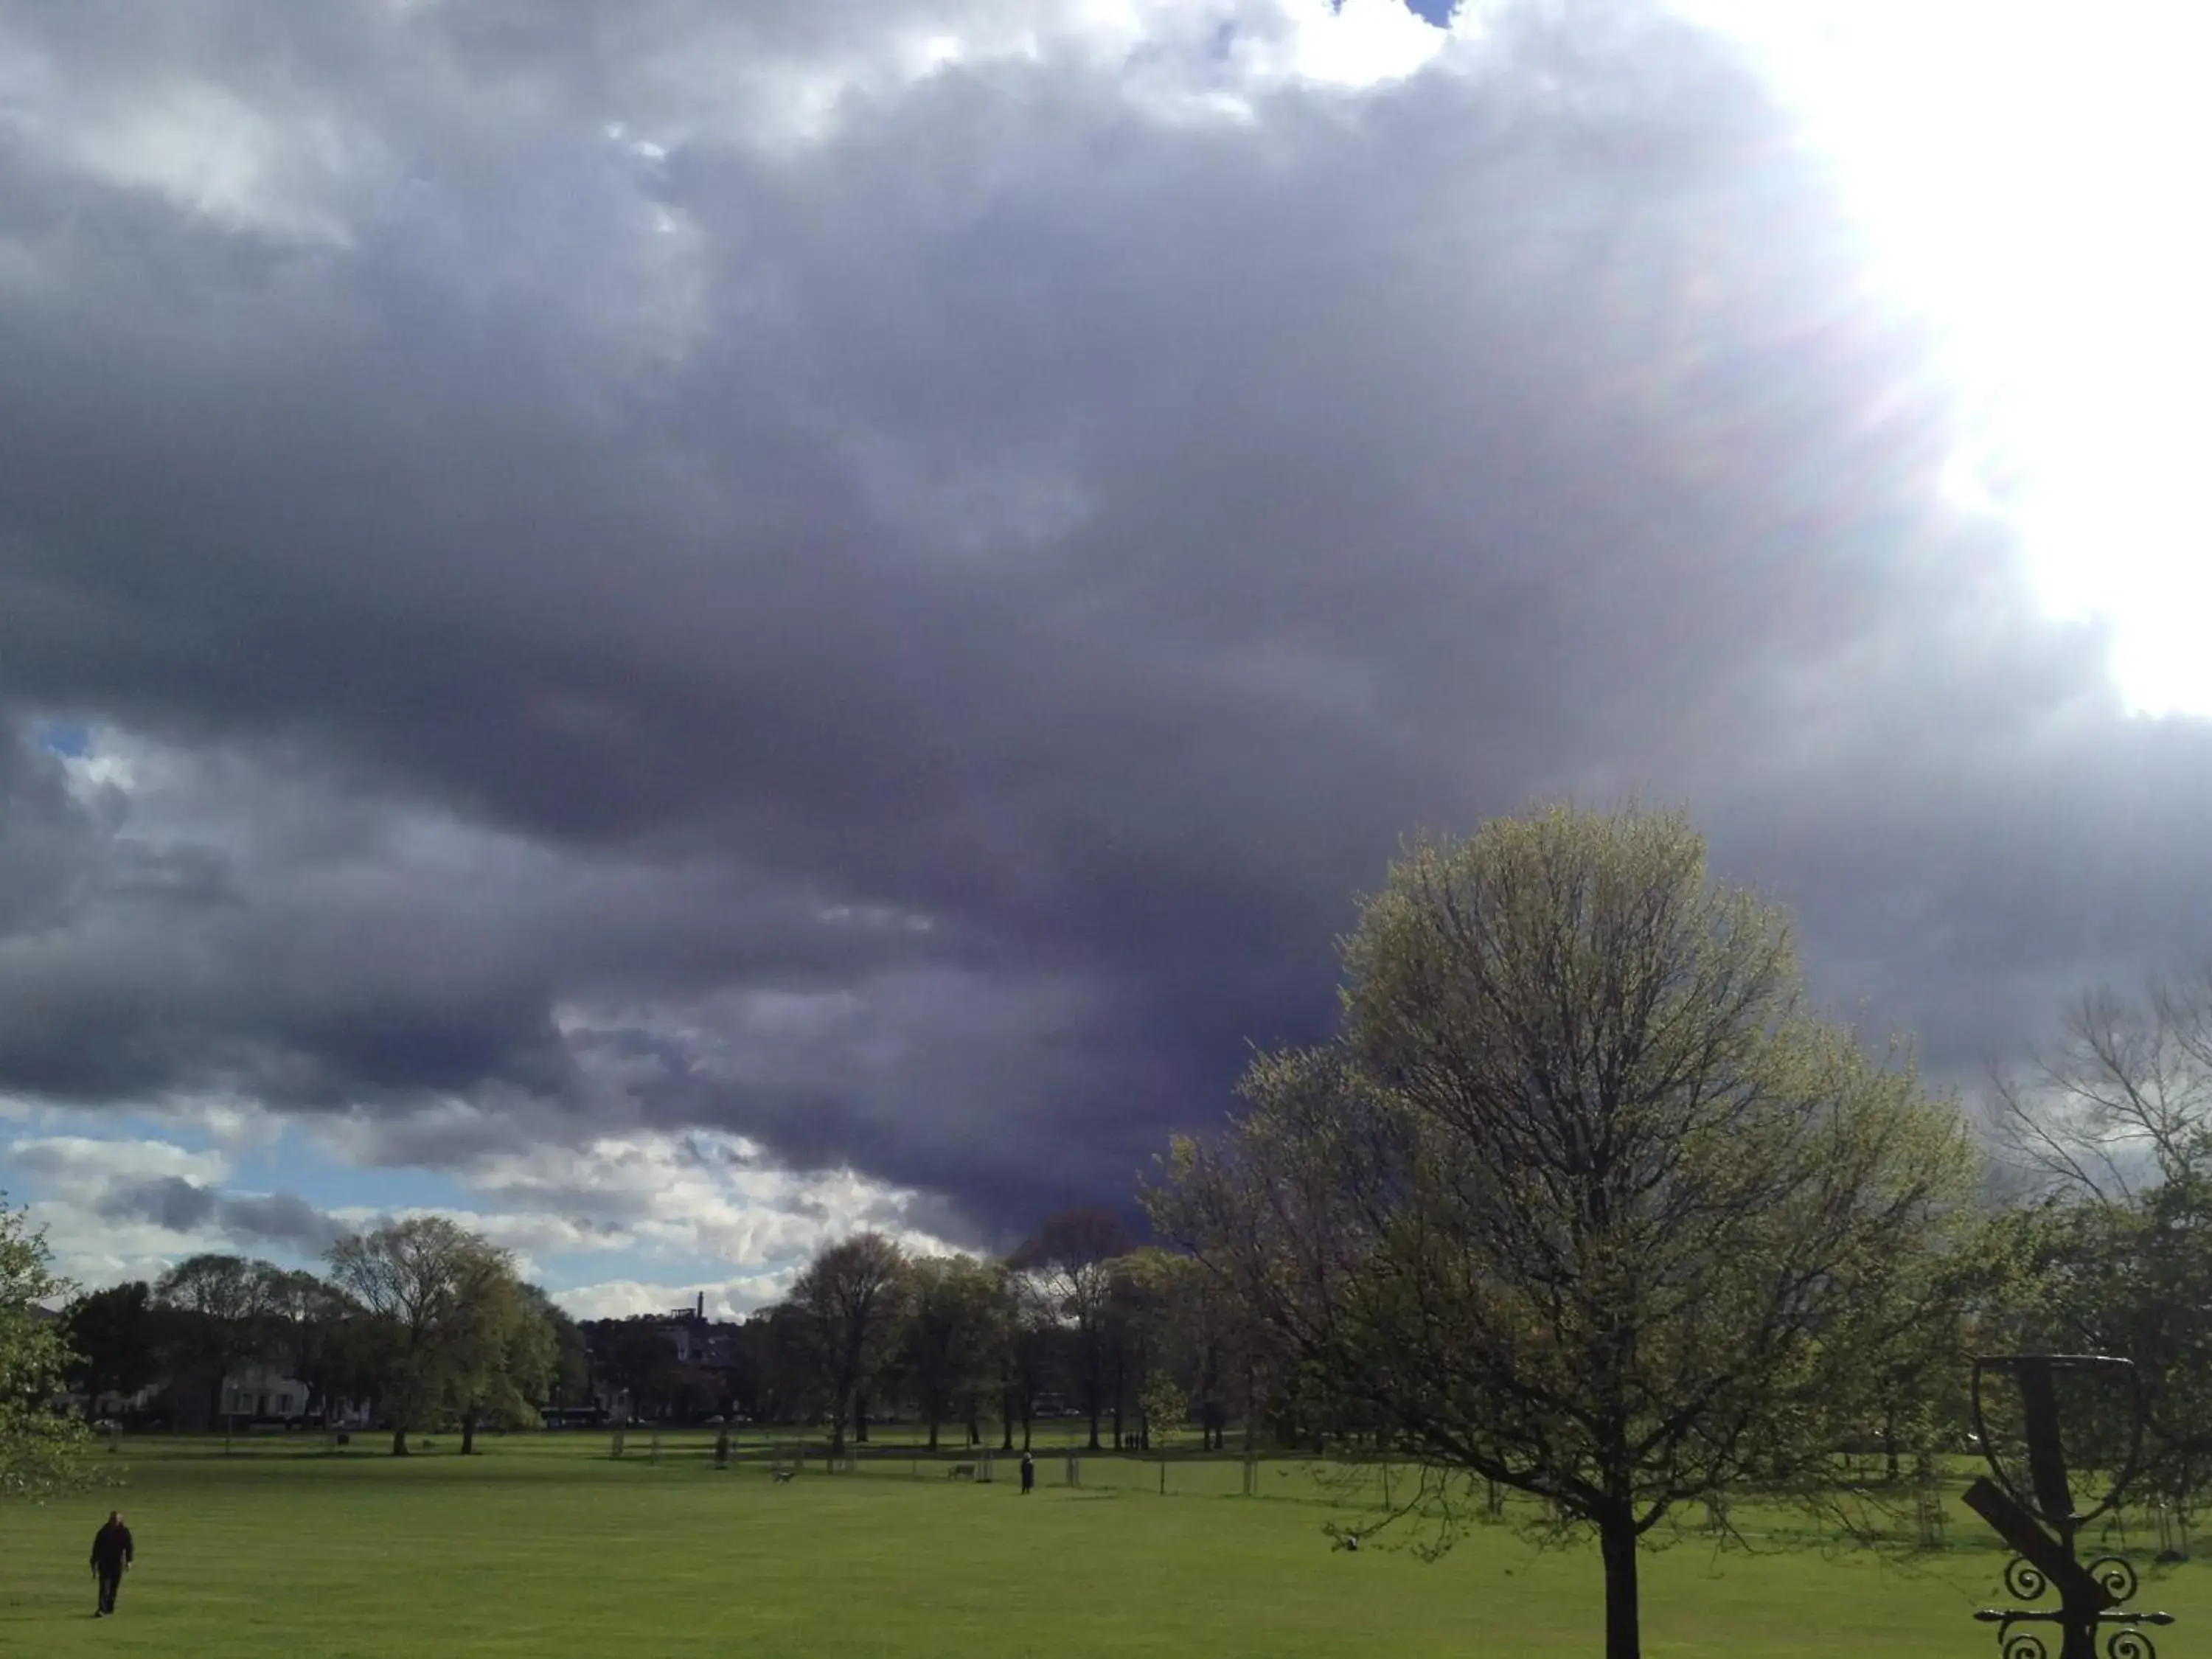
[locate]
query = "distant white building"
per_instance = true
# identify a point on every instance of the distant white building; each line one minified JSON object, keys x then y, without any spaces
{"x":260,"y":1391}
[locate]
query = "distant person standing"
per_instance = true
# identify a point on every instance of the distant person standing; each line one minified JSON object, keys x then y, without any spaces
{"x":1029,"y":1472}
{"x":111,"y":1555}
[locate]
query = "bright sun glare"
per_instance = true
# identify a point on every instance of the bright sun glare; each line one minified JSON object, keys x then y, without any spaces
{"x":2033,"y":175}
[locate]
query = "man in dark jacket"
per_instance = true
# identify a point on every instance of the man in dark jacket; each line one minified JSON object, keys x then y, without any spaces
{"x":111,"y":1555}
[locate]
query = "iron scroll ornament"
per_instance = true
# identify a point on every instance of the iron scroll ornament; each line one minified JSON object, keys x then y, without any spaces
{"x":2090,"y":1597}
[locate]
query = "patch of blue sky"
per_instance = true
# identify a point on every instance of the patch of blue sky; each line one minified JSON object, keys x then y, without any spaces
{"x":286,"y":1162}
{"x":1438,"y":12}
{"x":71,"y":739}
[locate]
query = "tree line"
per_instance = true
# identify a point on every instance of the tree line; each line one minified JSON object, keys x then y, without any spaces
{"x":425,"y":1325}
{"x":422,"y":1320}
{"x":1135,"y":1342}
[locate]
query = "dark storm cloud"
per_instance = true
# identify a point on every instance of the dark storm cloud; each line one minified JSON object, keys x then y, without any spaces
{"x":169,"y":1201}
{"x":250,"y":1221}
{"x":902,"y":636}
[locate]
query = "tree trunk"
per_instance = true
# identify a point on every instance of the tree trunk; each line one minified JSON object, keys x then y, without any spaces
{"x":1006,"y":1420}
{"x":859,"y":1420}
{"x":1617,"y":1543}
{"x":932,"y":1431}
{"x":1094,"y":1422}
{"x":468,"y":1434}
{"x":838,"y":1414}
{"x":1025,"y":1425}
{"x":399,"y":1440}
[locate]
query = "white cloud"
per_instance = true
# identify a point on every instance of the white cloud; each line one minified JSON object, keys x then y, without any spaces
{"x":68,"y":1178}
{"x":682,"y":1199}
{"x":1356,"y":43}
{"x":2064,"y":272}
{"x":81,"y":1165}
{"x":703,"y":1194}
{"x":91,"y":1250}
{"x":201,"y":145}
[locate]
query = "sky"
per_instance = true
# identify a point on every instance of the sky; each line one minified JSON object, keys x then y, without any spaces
{"x":675,"y":628}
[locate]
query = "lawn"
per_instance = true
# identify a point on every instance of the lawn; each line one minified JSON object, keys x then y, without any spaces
{"x":545,"y":1546}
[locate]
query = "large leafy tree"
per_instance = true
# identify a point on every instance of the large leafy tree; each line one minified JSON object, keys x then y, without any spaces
{"x":787,"y":1381}
{"x":2113,"y":1129}
{"x":1070,"y":1261}
{"x":1027,"y":1346}
{"x":220,"y":1312}
{"x":848,"y":1298}
{"x":949,"y":1336}
{"x":39,"y":1445}
{"x":325,"y":1339}
{"x":431,"y":1292}
{"x":1585,"y":1201}
{"x":505,"y":1358}
{"x":1150,"y":1337}
{"x":636,"y":1357}
{"x":569,"y":1381}
{"x":115,"y":1336}
{"x":2127,"y":1276}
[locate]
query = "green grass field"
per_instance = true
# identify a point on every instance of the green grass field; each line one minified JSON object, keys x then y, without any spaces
{"x":545,"y":1546}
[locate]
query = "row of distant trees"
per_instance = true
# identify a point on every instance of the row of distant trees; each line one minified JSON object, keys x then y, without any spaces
{"x":423,"y":1320}
{"x":428,"y":1325}
{"x":1137,"y":1342}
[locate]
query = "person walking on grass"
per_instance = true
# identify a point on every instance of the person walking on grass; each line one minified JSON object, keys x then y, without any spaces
{"x":111,"y":1555}
{"x":1029,"y":1472}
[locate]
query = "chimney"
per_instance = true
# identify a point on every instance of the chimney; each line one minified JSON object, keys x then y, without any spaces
{"x":703,"y":1307}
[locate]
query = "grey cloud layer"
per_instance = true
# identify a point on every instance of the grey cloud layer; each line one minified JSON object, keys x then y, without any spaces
{"x":902,"y":638}
{"x":252,"y":1221}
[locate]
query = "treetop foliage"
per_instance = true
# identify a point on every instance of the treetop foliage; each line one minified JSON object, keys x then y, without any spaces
{"x":1584,"y":1200}
{"x":39,"y":1448}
